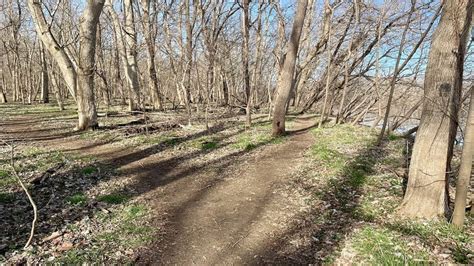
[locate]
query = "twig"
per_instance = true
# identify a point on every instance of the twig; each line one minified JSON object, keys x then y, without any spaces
{"x":15,"y":173}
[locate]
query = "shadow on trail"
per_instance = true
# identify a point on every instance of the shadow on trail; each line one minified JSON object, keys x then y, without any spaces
{"x":330,"y":221}
{"x":52,"y":192}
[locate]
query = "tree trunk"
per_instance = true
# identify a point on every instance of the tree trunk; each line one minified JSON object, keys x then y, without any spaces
{"x":189,"y":59}
{"x":44,"y":76}
{"x":426,"y":195}
{"x":56,"y":89}
{"x":130,"y":38}
{"x":87,"y":41}
{"x":126,"y":44}
{"x":57,"y":51}
{"x":328,"y":70}
{"x":285,"y":79}
{"x":462,"y":184}
{"x":149,"y":28}
{"x":245,"y":59}
{"x":3,"y":96}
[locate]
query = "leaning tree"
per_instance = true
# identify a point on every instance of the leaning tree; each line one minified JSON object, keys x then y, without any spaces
{"x":79,"y":78}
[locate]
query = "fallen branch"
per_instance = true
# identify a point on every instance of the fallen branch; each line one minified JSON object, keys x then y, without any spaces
{"x":15,"y":173}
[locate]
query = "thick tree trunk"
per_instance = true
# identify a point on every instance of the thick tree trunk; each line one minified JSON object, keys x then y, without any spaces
{"x":426,"y":194}
{"x":87,"y":41}
{"x":80,"y":81}
{"x":285,"y":79}
{"x":462,"y":184}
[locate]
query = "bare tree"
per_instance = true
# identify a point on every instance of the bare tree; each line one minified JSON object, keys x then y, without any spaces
{"x":150,"y":32}
{"x":285,"y":79}
{"x":126,"y":44}
{"x":462,"y":184}
{"x":245,"y":59}
{"x":44,"y":76}
{"x":80,"y":79}
{"x":426,"y":194}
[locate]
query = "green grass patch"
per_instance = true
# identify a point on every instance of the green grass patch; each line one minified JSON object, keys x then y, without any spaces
{"x":88,"y":170}
{"x":254,"y":138}
{"x":6,"y":179}
{"x":97,"y":135}
{"x":209,"y":145}
{"x":384,"y":247}
{"x":393,"y":137}
{"x":203,"y":143}
{"x":114,"y":198}
{"x":124,"y":228}
{"x":334,"y":145}
{"x":129,"y":231}
{"x":329,"y":156}
{"x":6,"y":197}
{"x":77,"y":199}
{"x":81,"y":256}
{"x":36,"y":159}
{"x":440,"y":232}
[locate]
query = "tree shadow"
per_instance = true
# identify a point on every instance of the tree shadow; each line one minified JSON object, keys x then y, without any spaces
{"x":330,"y":222}
{"x":52,"y":192}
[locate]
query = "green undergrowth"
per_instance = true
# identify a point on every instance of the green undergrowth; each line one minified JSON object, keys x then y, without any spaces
{"x":380,"y":246}
{"x":29,"y":161}
{"x":122,"y":230}
{"x":365,"y":183}
{"x":454,"y":241}
{"x":77,"y":199}
{"x":114,"y":198}
{"x":6,"y":197}
{"x":256,"y":136}
{"x":204,"y":143}
{"x":6,"y":177}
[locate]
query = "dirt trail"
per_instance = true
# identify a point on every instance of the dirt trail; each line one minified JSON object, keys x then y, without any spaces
{"x":223,"y":211}
{"x":232,"y":221}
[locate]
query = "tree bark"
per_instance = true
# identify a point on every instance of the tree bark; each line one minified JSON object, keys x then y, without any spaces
{"x":87,"y":41}
{"x":80,"y":81}
{"x":149,"y":28}
{"x":245,"y":59}
{"x":285,"y":79}
{"x":462,"y":184}
{"x":426,"y":195}
{"x":188,"y":59}
{"x":57,"y":51}
{"x":44,"y":76}
{"x":126,"y":44}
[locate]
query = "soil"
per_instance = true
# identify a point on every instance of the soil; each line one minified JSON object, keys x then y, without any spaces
{"x":210,"y":210}
{"x":227,"y":218}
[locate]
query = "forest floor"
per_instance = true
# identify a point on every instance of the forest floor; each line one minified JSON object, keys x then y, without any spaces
{"x":157,"y":190}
